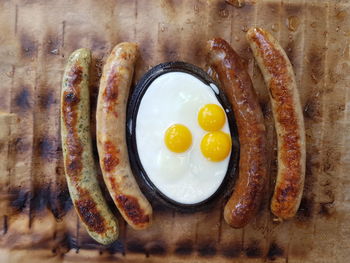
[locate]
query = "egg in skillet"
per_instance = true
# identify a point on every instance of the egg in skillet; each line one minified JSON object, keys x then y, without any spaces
{"x":183,"y":137}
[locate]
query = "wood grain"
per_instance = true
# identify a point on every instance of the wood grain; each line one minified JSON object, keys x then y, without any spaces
{"x":37,"y":219}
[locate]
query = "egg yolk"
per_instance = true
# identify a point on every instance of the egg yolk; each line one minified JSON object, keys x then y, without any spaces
{"x":178,"y":138}
{"x":211,"y":117}
{"x":216,"y":146}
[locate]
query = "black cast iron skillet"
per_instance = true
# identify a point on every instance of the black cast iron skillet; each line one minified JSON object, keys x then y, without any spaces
{"x":148,"y":188}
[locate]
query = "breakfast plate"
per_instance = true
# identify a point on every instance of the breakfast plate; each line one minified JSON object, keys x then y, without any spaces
{"x":39,"y":222}
{"x":169,"y":93}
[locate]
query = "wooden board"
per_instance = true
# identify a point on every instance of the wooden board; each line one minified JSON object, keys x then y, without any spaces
{"x":38,"y":223}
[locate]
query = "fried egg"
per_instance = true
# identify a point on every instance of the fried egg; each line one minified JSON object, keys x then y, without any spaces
{"x":183,"y":138}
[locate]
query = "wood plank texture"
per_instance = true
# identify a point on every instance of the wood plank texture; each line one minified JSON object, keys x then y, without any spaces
{"x":37,"y":221}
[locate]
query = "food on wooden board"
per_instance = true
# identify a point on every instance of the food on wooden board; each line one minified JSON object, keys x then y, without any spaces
{"x":237,"y":85}
{"x":182,"y":134}
{"x":111,"y":142}
{"x":289,"y":122}
{"x":79,"y":165}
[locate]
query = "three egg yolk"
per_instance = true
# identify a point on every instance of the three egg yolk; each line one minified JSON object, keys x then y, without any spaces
{"x":215,"y":145}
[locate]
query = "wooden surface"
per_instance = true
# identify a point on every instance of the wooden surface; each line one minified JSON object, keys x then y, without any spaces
{"x":38,"y":223}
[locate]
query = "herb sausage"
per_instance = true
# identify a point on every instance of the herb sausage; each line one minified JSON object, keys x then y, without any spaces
{"x":79,"y":165}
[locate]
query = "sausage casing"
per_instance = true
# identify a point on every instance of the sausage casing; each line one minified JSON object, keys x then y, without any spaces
{"x":79,"y":165}
{"x":111,"y":141}
{"x":289,"y":122}
{"x":237,"y":85}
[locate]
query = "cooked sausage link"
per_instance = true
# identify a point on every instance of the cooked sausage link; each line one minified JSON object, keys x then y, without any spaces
{"x":289,"y":122}
{"x":237,"y":85}
{"x":111,"y":142}
{"x":79,"y":166}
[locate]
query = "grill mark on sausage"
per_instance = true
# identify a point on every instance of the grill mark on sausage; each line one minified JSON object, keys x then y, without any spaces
{"x":114,"y":81}
{"x":111,"y":91}
{"x":132,"y":209}
{"x":111,"y":158}
{"x":75,"y":76}
{"x":71,"y":98}
{"x":88,"y":211}
{"x":289,"y":150}
{"x":129,"y":205}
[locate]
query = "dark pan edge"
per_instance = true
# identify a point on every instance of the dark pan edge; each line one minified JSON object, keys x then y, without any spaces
{"x":146,"y":185}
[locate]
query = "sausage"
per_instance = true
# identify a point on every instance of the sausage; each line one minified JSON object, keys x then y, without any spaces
{"x":111,"y":141}
{"x":79,"y":165}
{"x":289,"y":123}
{"x":237,"y":85}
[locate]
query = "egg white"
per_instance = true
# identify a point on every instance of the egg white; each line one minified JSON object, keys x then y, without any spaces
{"x":187,"y":178}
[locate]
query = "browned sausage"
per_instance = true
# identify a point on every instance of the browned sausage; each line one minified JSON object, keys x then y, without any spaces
{"x":289,"y":122}
{"x":111,"y":142}
{"x":239,"y":90}
{"x":79,"y":165}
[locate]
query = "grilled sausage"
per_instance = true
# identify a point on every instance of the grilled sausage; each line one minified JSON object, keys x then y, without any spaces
{"x":279,"y":78}
{"x":77,"y":151}
{"x":111,"y":142}
{"x":237,"y":86}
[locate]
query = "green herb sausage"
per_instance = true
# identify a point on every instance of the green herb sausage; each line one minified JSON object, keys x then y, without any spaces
{"x":79,"y":165}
